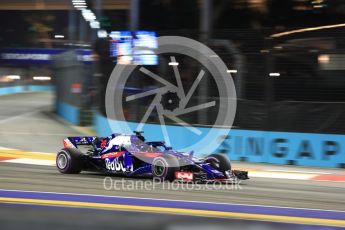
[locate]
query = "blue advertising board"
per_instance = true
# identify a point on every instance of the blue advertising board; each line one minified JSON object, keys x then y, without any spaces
{"x":24,"y":88}
{"x":134,"y":47}
{"x":38,"y":55}
{"x":304,"y":149}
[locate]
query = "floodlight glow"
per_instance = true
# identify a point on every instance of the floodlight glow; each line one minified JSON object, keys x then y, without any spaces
{"x":13,"y":77}
{"x":102,"y":34}
{"x":307,"y":29}
{"x":80,"y":6}
{"x":42,"y":78}
{"x":274,"y":74}
{"x":95,"y":25}
{"x":323,"y":58}
{"x":78,"y":1}
{"x":59,"y":36}
{"x":88,"y":15}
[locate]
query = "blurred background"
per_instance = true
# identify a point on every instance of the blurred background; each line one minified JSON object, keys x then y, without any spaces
{"x":286,"y":57}
{"x":280,"y":77}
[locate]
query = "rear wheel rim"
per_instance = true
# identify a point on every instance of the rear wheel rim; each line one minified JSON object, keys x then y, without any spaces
{"x":62,"y":161}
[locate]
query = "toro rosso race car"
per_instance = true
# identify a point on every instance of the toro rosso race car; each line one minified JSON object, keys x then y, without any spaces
{"x":132,"y":156}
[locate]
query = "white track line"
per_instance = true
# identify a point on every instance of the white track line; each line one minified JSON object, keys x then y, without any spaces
{"x":279,"y":175}
{"x":18,"y":116}
{"x":296,"y":171}
{"x":4,"y":148}
{"x":29,"y":161}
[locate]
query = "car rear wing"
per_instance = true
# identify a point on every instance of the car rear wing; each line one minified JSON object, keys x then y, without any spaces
{"x":73,"y":142}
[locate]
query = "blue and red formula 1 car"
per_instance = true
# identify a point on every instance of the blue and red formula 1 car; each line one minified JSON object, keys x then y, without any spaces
{"x":131,"y":155}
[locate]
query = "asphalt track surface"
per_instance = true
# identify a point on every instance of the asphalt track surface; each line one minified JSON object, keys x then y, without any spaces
{"x":37,"y":218}
{"x":26,"y":122}
{"x":258,"y":191}
{"x":22,"y":117}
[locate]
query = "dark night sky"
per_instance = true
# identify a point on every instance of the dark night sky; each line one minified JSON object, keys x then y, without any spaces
{"x":169,"y":15}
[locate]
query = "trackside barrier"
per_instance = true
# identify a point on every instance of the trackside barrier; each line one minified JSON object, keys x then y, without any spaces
{"x":24,"y":88}
{"x":303,"y":149}
{"x":68,"y":112}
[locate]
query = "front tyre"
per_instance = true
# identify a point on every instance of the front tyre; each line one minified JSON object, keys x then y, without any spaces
{"x":165,"y":167}
{"x":69,"y":161}
{"x":219,"y":162}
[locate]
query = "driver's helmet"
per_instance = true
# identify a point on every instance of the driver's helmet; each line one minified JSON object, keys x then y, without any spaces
{"x":113,"y":136}
{"x":100,"y":142}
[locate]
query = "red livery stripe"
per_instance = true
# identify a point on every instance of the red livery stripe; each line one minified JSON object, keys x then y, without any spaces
{"x":112,"y":155}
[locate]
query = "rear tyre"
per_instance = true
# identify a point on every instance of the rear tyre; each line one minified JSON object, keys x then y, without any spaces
{"x":69,"y":161}
{"x":219,"y":162}
{"x":164,"y":168}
